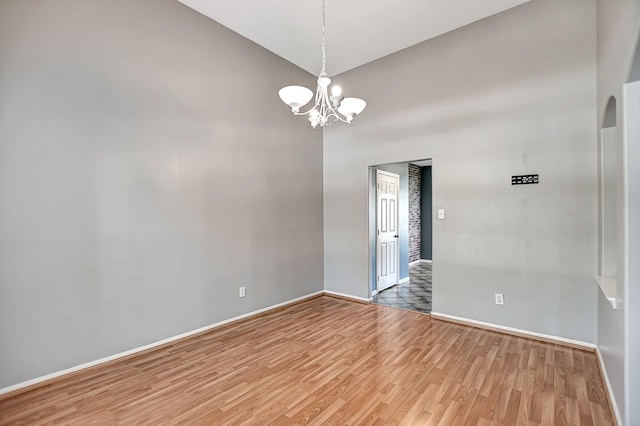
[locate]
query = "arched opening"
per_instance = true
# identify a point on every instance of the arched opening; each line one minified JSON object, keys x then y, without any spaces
{"x":610,"y":118}
{"x":608,"y":174}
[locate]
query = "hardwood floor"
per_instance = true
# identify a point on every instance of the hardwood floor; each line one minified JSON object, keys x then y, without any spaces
{"x":330,"y":361}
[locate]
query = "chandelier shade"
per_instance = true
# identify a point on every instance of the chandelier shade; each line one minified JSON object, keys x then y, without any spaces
{"x":326,"y":108}
{"x":350,"y":107}
{"x":295,"y":96}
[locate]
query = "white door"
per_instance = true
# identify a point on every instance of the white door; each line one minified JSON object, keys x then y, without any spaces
{"x":387,"y":185}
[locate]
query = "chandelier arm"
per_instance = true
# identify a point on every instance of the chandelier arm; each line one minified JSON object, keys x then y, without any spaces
{"x":332,"y":114}
{"x":307,"y":112}
{"x":337,"y":116}
{"x":315,"y":105}
{"x":325,"y":109}
{"x":329,"y":111}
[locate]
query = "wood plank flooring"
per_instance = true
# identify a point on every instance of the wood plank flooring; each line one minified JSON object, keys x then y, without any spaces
{"x":328,"y":361}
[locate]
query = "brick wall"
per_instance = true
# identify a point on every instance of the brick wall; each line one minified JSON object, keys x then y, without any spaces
{"x":415,"y":236}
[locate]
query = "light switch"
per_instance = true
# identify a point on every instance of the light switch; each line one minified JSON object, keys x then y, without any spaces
{"x":440,"y":214}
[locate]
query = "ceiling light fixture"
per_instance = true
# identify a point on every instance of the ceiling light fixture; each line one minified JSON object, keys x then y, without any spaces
{"x":326,"y":108}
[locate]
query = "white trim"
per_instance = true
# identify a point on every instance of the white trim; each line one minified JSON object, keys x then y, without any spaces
{"x":110,"y":358}
{"x":403,"y":281}
{"x":426,"y":261}
{"x":374,"y":292}
{"x":612,"y":398}
{"x":517,"y":331}
{"x":347,"y":296}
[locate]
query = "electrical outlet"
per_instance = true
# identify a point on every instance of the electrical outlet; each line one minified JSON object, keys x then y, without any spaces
{"x":499,"y":299}
{"x":241,"y":291}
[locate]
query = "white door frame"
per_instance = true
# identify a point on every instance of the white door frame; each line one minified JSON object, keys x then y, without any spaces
{"x":372,"y":225}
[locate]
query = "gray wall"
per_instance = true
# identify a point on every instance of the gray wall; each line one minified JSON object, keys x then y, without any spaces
{"x":147,"y":170}
{"x":426,"y":213}
{"x":511,"y":94}
{"x":618,"y":27}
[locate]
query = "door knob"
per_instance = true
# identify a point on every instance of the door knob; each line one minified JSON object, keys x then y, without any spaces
{"x":395,"y":236}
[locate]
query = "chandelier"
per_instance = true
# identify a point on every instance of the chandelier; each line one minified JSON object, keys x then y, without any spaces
{"x":326,"y":109}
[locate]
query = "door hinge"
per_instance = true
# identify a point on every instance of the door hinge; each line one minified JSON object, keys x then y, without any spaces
{"x":378,"y":277}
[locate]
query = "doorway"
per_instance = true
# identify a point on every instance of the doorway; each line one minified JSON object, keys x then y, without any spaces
{"x":387,"y":188}
{"x":400,"y":242}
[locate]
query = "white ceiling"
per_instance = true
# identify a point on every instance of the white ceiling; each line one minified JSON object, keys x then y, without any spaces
{"x":357,"y":31}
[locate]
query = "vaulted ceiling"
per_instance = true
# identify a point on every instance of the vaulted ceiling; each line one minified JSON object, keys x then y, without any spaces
{"x":357,"y":31}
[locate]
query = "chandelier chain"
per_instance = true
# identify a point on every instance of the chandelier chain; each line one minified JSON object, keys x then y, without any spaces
{"x":324,"y":59}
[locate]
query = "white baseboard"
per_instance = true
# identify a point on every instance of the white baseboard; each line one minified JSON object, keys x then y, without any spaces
{"x":48,"y":377}
{"x":374,"y":292}
{"x":415,"y":262}
{"x":516,"y":332}
{"x":612,"y":399}
{"x":404,"y":281}
{"x":426,"y":261}
{"x":347,"y":296}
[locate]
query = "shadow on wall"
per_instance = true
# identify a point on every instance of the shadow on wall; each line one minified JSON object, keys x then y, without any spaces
{"x":610,"y":118}
{"x":634,"y":74}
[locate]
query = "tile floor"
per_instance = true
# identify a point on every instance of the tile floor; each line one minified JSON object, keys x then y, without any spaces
{"x":414,"y":295}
